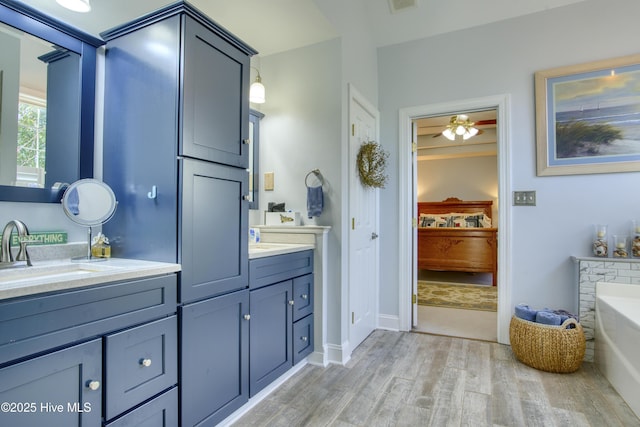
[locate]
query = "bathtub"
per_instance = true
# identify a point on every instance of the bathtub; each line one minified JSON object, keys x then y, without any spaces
{"x":617,"y":339}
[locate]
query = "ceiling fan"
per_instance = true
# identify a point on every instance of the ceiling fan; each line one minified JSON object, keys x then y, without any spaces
{"x":460,"y":125}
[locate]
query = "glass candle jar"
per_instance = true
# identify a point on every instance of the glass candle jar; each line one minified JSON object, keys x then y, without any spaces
{"x":600,"y":246}
{"x":635,"y":240}
{"x":620,"y":246}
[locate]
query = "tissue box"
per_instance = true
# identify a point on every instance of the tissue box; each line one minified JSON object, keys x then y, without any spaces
{"x":282,"y":218}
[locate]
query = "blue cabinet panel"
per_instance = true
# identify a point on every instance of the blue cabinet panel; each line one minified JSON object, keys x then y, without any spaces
{"x":270,"y":334}
{"x":214,"y":230}
{"x":54,"y":390}
{"x":214,"y":364}
{"x":140,"y":362}
{"x":302,"y":339}
{"x":140,"y":148}
{"x":33,"y":324}
{"x":274,"y":269}
{"x":159,"y":412}
{"x":215,"y":98}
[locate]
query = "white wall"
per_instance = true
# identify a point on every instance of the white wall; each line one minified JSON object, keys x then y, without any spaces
{"x":502,"y":58}
{"x":467,"y":178}
{"x":301,"y":131}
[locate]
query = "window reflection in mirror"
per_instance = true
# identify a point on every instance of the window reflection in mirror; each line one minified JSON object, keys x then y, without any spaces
{"x":39,"y":97}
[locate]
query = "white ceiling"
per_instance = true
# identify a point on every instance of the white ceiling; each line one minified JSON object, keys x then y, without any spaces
{"x":272,"y":26}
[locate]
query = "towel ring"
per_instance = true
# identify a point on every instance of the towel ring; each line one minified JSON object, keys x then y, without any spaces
{"x":317,"y":174}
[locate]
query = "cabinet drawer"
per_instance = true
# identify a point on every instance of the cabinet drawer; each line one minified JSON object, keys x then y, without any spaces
{"x":140,"y":363}
{"x":33,"y":324}
{"x":302,"y":338}
{"x":277,"y":268}
{"x":302,"y":296}
{"x":159,"y":412}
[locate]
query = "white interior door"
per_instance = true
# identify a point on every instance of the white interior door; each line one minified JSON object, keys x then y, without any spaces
{"x":363,"y":230}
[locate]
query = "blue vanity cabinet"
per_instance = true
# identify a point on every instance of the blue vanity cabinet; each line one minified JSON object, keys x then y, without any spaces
{"x":281,"y":325}
{"x":176,"y":118}
{"x":62,"y":388}
{"x":214,"y":366}
{"x":87,"y":356}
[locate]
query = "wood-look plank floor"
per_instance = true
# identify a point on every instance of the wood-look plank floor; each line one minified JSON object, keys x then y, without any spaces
{"x":413,"y":379}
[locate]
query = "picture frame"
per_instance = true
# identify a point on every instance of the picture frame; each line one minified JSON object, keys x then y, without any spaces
{"x":588,"y":117}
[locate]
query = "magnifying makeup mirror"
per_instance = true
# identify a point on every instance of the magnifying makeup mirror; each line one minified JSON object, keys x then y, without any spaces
{"x":89,"y":202}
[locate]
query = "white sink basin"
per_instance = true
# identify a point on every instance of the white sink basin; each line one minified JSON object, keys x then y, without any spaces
{"x":48,"y":272}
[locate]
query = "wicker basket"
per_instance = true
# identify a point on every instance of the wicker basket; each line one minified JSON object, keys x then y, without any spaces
{"x":548,"y":348}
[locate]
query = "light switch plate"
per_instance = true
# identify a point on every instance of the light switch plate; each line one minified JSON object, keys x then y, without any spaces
{"x":268,"y":181}
{"x":524,"y":198}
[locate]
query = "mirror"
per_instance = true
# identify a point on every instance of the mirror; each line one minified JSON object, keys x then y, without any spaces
{"x":47,"y":86}
{"x":254,"y":157}
{"x":89,"y":202}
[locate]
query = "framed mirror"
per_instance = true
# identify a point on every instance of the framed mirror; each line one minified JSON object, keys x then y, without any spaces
{"x":47,"y":103}
{"x":254,"y":157}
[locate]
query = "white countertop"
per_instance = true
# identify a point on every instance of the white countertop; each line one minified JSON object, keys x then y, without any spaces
{"x":59,"y":275}
{"x":260,"y":250}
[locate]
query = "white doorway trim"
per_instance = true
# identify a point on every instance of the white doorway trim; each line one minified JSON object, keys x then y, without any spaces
{"x":502,"y":104}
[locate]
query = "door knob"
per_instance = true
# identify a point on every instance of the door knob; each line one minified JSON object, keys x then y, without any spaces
{"x":374,"y":236}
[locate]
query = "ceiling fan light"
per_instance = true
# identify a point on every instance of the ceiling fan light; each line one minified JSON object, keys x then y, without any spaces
{"x":460,"y":130}
{"x":447,"y":133}
{"x":472,"y":131}
{"x":75,"y":5}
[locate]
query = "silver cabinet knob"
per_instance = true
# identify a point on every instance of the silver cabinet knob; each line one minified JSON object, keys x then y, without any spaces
{"x":145,"y":362}
{"x":246,"y":197}
{"x":247,"y":317}
{"x":304,"y":338}
{"x":304,"y":296}
{"x":374,"y":236}
{"x":246,"y":141}
{"x":93,"y":385}
{"x":291,"y":302}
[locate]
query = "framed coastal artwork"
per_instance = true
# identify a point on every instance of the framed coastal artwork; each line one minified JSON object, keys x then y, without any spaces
{"x":588,"y":118}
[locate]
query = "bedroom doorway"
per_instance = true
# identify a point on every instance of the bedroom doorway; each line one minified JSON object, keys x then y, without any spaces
{"x":498,"y":105}
{"x":454,"y":298}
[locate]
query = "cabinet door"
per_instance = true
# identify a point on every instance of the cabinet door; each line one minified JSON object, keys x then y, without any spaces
{"x":215,"y":100}
{"x":270,"y":334}
{"x":54,"y":389}
{"x":213,"y":250}
{"x":215,"y":358}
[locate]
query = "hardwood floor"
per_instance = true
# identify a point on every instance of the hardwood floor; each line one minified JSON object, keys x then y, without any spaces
{"x":414,"y":379}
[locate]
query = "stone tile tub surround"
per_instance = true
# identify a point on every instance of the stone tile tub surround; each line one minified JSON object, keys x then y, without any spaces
{"x":591,"y":270}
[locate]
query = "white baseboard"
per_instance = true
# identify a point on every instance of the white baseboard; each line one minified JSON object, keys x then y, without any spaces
{"x":388,"y":322}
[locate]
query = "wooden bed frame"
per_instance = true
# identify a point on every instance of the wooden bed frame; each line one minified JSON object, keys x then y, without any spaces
{"x":458,"y":249}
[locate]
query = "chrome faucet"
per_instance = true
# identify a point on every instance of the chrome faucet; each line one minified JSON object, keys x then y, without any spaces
{"x":6,"y":257}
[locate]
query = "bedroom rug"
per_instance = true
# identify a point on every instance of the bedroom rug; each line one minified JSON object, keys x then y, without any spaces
{"x":468,"y":297}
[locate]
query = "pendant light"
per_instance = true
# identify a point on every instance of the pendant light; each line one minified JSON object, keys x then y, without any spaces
{"x":75,"y":5}
{"x":256,"y":90}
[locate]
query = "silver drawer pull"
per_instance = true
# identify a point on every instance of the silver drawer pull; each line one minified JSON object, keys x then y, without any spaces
{"x":304,"y":338}
{"x":93,"y":385}
{"x":247,"y":317}
{"x":145,"y":362}
{"x":291,"y":302}
{"x":246,"y":141}
{"x":304,"y":296}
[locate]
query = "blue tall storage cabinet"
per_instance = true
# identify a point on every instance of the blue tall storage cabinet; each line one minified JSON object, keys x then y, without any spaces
{"x":175,"y":153}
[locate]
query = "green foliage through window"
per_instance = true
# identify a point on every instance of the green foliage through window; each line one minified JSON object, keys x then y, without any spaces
{"x":32,"y":144}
